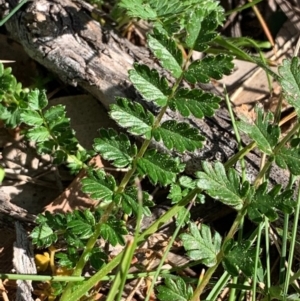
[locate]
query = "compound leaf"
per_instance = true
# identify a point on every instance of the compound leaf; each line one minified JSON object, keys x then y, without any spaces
{"x":54,"y":114}
{"x":114,"y":147}
{"x":166,"y":50}
{"x":9,"y":87}
{"x":139,"y":9}
{"x":80,"y":228}
{"x":290,"y":82}
{"x":43,"y":236}
{"x":180,"y":190}
{"x":159,"y":167}
{"x":262,"y":132}
{"x":175,"y":290}
{"x":289,"y":158}
{"x":209,"y":67}
{"x":153,"y":9}
{"x":38,"y":134}
{"x":31,"y":118}
{"x":267,"y":204}
{"x":133,"y":117}
{"x":201,"y":28}
{"x":66,"y":259}
{"x":178,"y":136}
{"x":113,"y":231}
{"x":201,"y":245}
{"x":37,"y":99}
{"x":98,"y":258}
{"x":195,"y":102}
{"x":221,"y":186}
{"x":10,"y":115}
{"x":151,"y":86}
{"x":233,"y":261}
{"x":130,"y":202}
{"x":99,"y":185}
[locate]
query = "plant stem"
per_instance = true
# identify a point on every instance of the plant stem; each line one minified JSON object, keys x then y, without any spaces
{"x":241,"y":154}
{"x":292,"y":246}
{"x":275,"y":152}
{"x":167,"y":250}
{"x":12,"y":12}
{"x":87,"y":285}
{"x":211,"y":270}
{"x":91,"y":242}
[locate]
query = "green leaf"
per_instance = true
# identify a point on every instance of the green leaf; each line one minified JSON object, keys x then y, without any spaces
{"x":139,"y":9}
{"x":175,"y":193}
{"x":159,"y":167}
{"x":266,"y":204}
{"x":201,"y":28}
{"x":194,"y":25}
{"x":201,"y":245}
{"x":113,"y":231}
{"x":64,"y":260}
{"x":98,"y":258}
{"x":54,"y":114}
{"x":60,"y":157}
{"x":39,"y":134}
{"x":183,"y":217}
{"x":209,"y":67}
{"x":132,"y":116}
{"x":178,"y":136}
{"x":166,"y":50}
{"x":31,"y":118}
{"x":73,"y":240}
{"x":266,"y":135}
{"x":114,"y":147}
{"x":99,"y":185}
{"x":37,"y":99}
{"x":43,"y":236}
{"x":239,"y":256}
{"x":10,"y":115}
{"x":80,"y":228}
{"x":226,"y":188}
{"x":289,"y":158}
{"x":152,"y":10}
{"x":149,"y":84}
{"x":72,"y":254}
{"x":55,"y":222}
{"x":130,"y":203}
{"x":5,"y":114}
{"x":179,"y":191}
{"x":187,"y":182}
{"x":7,"y":82}
{"x":60,"y":127}
{"x":290,"y":82}
{"x":195,"y":102}
{"x":174,"y":290}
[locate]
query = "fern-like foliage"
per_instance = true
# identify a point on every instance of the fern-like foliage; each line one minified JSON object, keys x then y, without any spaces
{"x":263,"y":132}
{"x":226,"y":187}
{"x":233,"y":261}
{"x":175,"y":289}
{"x":202,"y":245}
{"x":290,"y":82}
{"x":179,"y":28}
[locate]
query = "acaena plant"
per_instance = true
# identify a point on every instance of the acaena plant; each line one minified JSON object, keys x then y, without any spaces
{"x":178,"y":26}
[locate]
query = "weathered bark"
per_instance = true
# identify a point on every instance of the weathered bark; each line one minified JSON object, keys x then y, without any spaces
{"x":23,"y":263}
